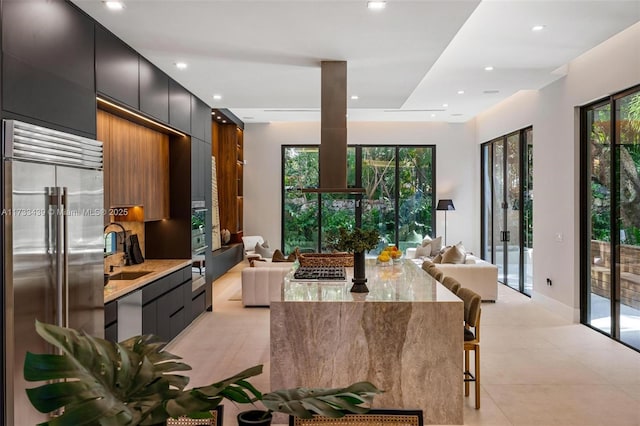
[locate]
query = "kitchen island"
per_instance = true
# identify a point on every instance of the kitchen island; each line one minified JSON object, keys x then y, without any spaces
{"x":405,"y":336}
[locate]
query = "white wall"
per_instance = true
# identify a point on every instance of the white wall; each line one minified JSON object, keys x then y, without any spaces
{"x":610,"y":67}
{"x":457,"y":170}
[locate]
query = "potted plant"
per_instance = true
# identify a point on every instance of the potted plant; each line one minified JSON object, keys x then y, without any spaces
{"x":134,"y":382}
{"x":357,"y":241}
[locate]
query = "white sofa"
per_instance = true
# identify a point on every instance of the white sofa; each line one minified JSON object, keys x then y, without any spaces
{"x":475,"y":274}
{"x":261,"y":284}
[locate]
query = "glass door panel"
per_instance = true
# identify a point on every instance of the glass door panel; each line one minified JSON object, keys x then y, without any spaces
{"x":499,"y":255}
{"x":628,"y":208}
{"x":487,"y":205}
{"x":511,"y":210}
{"x":379,"y":182}
{"x":527,"y":213}
{"x":599,"y":298}
{"x":415,"y":196}
{"x":507,"y":208}
{"x":300,"y":210}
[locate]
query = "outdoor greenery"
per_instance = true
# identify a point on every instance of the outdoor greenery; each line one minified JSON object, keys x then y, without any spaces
{"x":625,"y":159}
{"x":402,"y":213}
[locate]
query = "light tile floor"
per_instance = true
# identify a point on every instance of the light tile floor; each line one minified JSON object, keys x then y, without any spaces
{"x":537,"y":369}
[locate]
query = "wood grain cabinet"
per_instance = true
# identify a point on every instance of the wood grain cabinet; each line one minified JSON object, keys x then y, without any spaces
{"x":229,"y":142}
{"x":136,"y":165}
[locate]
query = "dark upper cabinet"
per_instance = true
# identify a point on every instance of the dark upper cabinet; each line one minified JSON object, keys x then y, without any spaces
{"x":117,"y":68}
{"x":179,"y":107}
{"x":197,"y":169}
{"x":47,"y":67}
{"x":154,"y":91}
{"x":200,"y":119}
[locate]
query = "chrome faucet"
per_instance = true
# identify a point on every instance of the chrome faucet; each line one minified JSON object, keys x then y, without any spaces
{"x":124,"y":241}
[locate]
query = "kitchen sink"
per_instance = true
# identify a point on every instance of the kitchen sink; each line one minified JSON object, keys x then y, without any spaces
{"x":129,"y":275}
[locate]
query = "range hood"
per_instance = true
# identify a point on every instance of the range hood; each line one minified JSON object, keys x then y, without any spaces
{"x":333,"y":130}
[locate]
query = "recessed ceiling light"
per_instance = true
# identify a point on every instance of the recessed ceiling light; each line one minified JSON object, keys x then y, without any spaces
{"x":181,"y":65}
{"x":354,"y":97}
{"x":224,"y":121}
{"x":460,"y":92}
{"x":538,"y":27}
{"x":456,"y":115}
{"x":376,"y":5}
{"x":490,"y":92}
{"x":114,"y":5}
{"x":248,"y":118}
{"x":488,"y":68}
{"x":217,"y":97}
{"x":445,"y":105}
{"x":433,"y":115}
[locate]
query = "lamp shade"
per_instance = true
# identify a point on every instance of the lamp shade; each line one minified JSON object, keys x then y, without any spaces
{"x":445,"y":205}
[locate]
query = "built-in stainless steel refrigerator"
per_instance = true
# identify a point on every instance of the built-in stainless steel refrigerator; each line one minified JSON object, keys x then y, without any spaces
{"x":52,"y":246}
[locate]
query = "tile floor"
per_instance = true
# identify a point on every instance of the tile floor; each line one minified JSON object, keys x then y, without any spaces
{"x":537,"y":369}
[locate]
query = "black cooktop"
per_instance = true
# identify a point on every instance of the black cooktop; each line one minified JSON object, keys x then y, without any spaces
{"x":321,"y":273}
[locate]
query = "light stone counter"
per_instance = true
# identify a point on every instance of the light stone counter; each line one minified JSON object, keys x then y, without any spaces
{"x":158,"y":268}
{"x":405,"y":336}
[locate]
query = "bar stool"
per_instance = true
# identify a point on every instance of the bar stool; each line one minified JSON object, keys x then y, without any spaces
{"x":452,"y":284}
{"x":472,"y":301}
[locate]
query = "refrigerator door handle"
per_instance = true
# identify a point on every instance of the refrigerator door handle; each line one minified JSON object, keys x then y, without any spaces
{"x":56,"y":205}
{"x":65,"y":256}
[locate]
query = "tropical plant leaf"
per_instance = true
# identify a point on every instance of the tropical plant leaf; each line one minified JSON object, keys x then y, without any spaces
{"x":234,"y":388}
{"x":303,"y":402}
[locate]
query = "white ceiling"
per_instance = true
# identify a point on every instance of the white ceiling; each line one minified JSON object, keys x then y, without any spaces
{"x":404,"y":62}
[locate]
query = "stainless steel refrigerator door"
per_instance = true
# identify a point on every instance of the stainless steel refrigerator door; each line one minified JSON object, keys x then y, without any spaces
{"x":30,"y":291}
{"x":85,"y":247}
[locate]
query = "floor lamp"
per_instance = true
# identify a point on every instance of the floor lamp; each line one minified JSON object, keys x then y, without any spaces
{"x":445,"y":205}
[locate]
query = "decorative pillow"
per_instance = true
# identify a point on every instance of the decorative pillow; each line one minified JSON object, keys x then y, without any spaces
{"x":263,"y":250}
{"x":436,"y":245}
{"x":454,"y":254}
{"x":437,"y":259}
{"x":279,"y":257}
{"x":423,"y":251}
{"x":426,"y":240}
{"x":468,"y":260}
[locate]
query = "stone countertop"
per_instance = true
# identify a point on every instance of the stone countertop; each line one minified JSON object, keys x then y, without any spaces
{"x":403,"y":282}
{"x":158,"y":268}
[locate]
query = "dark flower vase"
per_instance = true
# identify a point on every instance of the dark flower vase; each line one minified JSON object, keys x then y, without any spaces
{"x":254,"y":418}
{"x":359,"y":278}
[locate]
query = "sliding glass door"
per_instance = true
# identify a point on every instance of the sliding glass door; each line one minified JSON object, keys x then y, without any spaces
{"x":611,"y":216}
{"x":507,"y":195}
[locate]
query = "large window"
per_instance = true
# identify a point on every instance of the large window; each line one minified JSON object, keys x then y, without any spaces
{"x":398,"y":198}
{"x":611,"y":216}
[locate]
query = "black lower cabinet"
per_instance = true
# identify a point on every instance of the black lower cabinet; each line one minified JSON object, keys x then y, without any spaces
{"x":166,"y":307}
{"x":111,"y":321}
{"x":198,"y":302}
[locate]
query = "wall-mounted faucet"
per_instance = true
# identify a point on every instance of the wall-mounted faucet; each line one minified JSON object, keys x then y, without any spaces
{"x":124,"y":241}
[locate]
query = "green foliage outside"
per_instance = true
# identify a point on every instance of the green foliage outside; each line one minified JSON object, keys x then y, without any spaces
{"x":379,"y":169}
{"x":627,"y":170}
